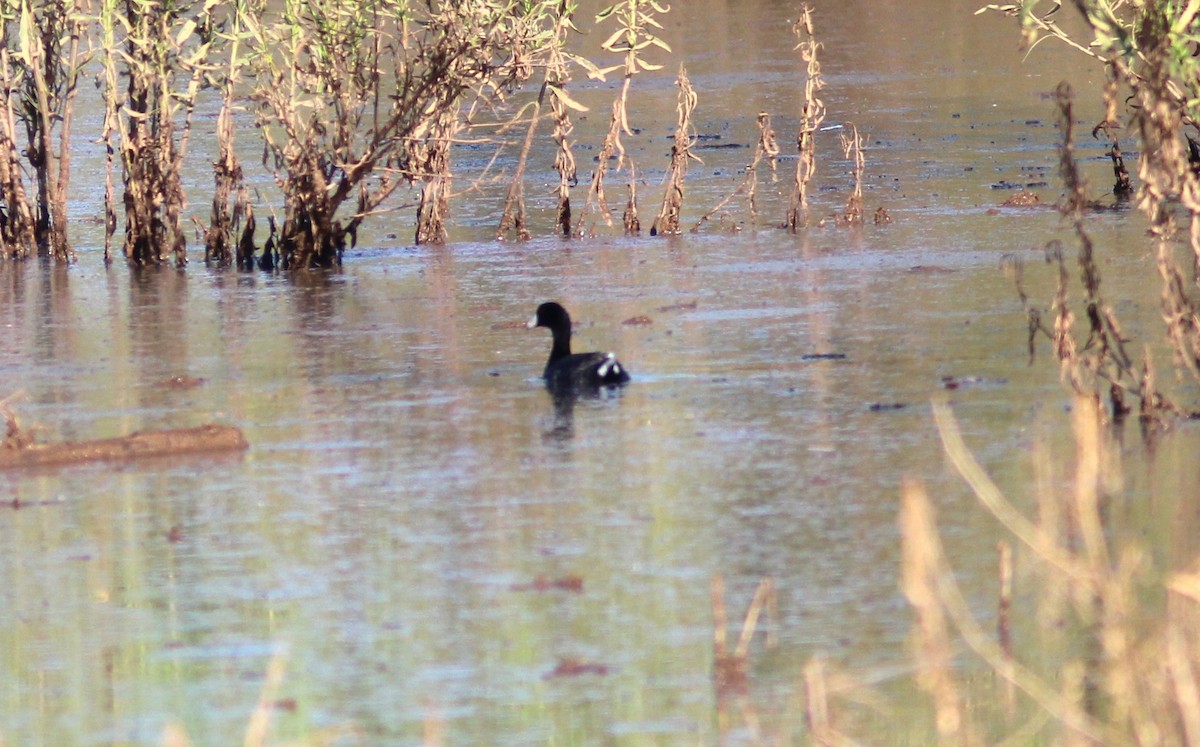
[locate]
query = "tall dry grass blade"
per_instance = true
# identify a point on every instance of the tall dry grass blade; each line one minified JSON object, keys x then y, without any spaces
{"x":817,"y":714}
{"x":764,"y":597}
{"x":259,"y":725}
{"x":629,"y":217}
{"x":1004,"y":620}
{"x":716,"y":590}
{"x":929,"y":581}
{"x":920,"y":570}
{"x":991,"y":496}
{"x":816,"y":699}
{"x":852,"y":149}
{"x":512,"y":217}
{"x":1183,"y":678}
{"x":1085,"y":419}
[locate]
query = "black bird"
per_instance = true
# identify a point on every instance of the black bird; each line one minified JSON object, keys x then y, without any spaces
{"x":566,"y":370}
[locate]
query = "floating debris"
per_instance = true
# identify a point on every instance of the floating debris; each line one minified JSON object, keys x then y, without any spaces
{"x":572,"y":667}
{"x":541,"y":583}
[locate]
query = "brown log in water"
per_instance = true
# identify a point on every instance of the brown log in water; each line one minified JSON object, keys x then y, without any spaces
{"x":201,"y":439}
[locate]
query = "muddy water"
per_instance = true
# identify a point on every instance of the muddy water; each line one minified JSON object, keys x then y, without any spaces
{"x":433,"y":546}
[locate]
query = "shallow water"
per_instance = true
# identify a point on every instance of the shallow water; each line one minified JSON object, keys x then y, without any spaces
{"x":439,"y":551}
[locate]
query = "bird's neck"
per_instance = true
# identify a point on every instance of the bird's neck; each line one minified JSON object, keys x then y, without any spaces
{"x":562,"y":345}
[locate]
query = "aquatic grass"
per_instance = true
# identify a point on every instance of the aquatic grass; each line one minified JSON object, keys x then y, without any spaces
{"x":229,"y":236}
{"x":1148,"y":53}
{"x":554,"y":83}
{"x":352,"y":104}
{"x":355,"y":103}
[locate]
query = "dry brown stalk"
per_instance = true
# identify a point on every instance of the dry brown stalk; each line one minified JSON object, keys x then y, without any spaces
{"x":667,"y":222}
{"x":564,"y":164}
{"x":934,"y":650}
{"x":1134,"y":679}
{"x":852,"y":148}
{"x":431,"y":156}
{"x":812,"y":114}
{"x":40,"y":60}
{"x":816,"y":707}
{"x":1004,"y":617}
{"x":18,"y":233}
{"x":512,"y":218}
{"x":1100,"y":366}
{"x":635,"y":34}
{"x":629,"y":216}
{"x":596,"y":202}
{"x":554,"y":83}
{"x":766,"y":148}
{"x":731,"y":668}
{"x":227,"y":171}
{"x":223,"y":245}
{"x":154,"y":121}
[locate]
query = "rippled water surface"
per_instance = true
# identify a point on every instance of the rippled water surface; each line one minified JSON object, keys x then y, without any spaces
{"x":436,"y":551}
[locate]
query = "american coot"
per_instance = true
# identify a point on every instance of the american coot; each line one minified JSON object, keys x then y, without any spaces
{"x":565,"y":370}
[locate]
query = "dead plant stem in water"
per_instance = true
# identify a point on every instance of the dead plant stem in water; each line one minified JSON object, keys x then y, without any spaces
{"x":40,"y":62}
{"x":1099,"y":366}
{"x":667,"y":221}
{"x":731,"y":668}
{"x":767,"y":148}
{"x":852,"y":149}
{"x":635,"y":33}
{"x":812,"y":114}
{"x":1132,"y":677}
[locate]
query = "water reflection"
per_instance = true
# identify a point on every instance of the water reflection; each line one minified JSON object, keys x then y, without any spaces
{"x":564,"y":401}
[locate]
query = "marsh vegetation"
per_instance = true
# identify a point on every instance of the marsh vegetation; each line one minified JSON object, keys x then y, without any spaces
{"x":401,"y":526}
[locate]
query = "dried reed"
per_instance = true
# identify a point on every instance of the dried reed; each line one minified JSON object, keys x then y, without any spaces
{"x":221,"y":246}
{"x":852,"y":149}
{"x":731,"y":669}
{"x":40,"y":61}
{"x":557,"y":75}
{"x":1099,"y":366}
{"x":512,"y":217}
{"x":1133,"y":677}
{"x":667,"y":221}
{"x":636,"y":21}
{"x":812,"y":114}
{"x":767,"y":148}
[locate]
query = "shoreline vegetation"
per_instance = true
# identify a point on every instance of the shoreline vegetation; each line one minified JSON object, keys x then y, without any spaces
{"x":358,"y":107}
